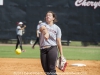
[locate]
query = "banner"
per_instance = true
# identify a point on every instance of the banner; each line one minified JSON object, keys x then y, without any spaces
{"x":79,"y":20}
{"x":87,"y":3}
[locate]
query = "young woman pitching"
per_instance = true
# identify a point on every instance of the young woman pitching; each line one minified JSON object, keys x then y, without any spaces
{"x":50,"y":42}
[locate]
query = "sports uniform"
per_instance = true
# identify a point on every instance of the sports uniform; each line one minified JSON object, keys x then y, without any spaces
{"x":19,"y":36}
{"x":48,"y":48}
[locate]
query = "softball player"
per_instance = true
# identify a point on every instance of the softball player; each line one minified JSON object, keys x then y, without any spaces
{"x":19,"y":30}
{"x":50,"y":39}
{"x":37,"y":39}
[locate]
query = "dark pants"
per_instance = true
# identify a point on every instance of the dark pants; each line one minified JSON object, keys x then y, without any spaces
{"x":19,"y":41}
{"x":48,"y":60}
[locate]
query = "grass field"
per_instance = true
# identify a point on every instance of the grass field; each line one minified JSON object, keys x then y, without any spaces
{"x":70,"y":52}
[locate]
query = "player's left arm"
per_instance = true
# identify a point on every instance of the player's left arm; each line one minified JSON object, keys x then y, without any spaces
{"x":59,"y":41}
{"x":59,"y":46}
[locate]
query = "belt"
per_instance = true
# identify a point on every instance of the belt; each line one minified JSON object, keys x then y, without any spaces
{"x":44,"y":47}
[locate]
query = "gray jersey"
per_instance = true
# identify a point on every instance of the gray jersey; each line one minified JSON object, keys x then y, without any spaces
{"x":54,"y":33}
{"x":38,"y":26}
{"x":18,"y":30}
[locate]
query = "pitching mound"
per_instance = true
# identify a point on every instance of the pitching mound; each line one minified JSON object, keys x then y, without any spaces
{"x":14,"y":66}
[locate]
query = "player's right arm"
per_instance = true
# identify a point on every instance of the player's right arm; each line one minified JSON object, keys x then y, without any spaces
{"x":23,"y":27}
{"x":19,"y":28}
{"x":44,"y":30}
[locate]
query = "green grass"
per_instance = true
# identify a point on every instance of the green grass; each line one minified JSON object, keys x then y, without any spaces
{"x":9,"y":52}
{"x":75,"y":43}
{"x":70,"y":52}
{"x":82,"y":53}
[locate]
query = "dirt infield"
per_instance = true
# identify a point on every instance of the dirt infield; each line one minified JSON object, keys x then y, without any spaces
{"x":14,"y":66}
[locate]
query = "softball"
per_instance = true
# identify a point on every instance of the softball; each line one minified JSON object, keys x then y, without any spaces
{"x":18,"y":51}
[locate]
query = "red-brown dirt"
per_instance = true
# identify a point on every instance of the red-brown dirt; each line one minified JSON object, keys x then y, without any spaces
{"x":16,"y":66}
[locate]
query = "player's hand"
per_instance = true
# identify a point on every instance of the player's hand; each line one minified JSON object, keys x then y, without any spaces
{"x":46,"y":36}
{"x":42,"y":28}
{"x":25,"y":26}
{"x":61,"y":56}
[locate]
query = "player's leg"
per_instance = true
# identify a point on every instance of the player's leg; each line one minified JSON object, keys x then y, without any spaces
{"x":44,"y":62}
{"x":20,"y":41}
{"x":52,"y":57}
{"x":17,"y":42}
{"x":37,"y":40}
